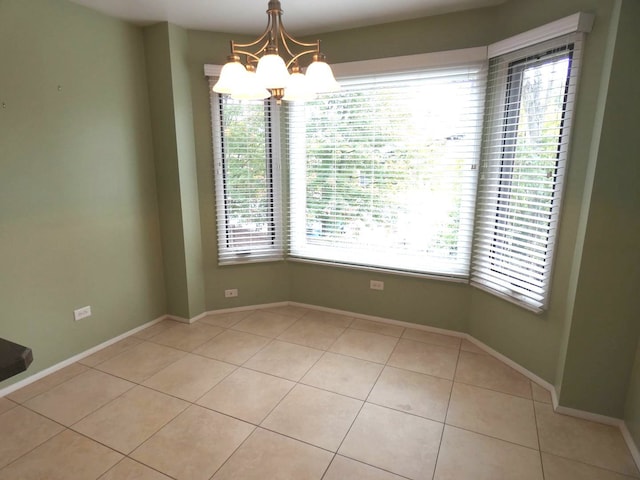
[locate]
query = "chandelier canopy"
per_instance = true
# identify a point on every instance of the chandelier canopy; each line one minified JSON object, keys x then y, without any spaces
{"x":273,"y":66}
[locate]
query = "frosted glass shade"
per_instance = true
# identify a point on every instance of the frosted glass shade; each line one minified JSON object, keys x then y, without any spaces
{"x":230,"y":76}
{"x":320,"y":77}
{"x":272,"y":71}
{"x":249,"y":88}
{"x":298,"y":89}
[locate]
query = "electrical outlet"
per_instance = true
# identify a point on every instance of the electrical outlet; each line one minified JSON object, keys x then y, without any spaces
{"x":231,"y":293}
{"x":81,"y":313}
{"x":376,"y":285}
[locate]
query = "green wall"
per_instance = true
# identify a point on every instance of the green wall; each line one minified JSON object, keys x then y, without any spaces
{"x":172,"y":123}
{"x":538,"y":341}
{"x":632,"y":407}
{"x":257,"y":283}
{"x":78,"y":209}
{"x":82,"y":222}
{"x":605,"y":328}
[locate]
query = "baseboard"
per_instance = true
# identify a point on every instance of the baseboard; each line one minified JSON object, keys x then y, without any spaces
{"x":389,"y":321}
{"x":594,"y":417}
{"x":226,"y":310}
{"x":65,"y":363}
{"x":633,"y":448}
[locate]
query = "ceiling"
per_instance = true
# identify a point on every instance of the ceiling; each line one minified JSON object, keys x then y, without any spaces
{"x":300,"y":16}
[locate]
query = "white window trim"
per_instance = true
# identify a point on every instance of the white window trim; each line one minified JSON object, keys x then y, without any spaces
{"x":578,"y":22}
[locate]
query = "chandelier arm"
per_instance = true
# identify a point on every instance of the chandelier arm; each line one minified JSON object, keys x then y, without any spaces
{"x":264,"y":36}
{"x":295,"y":57}
{"x":254,"y":55}
{"x":285,"y":35}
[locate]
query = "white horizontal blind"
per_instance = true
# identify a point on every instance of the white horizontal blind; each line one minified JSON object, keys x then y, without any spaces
{"x":246,"y":180}
{"x":383,"y":173}
{"x":530,"y":100}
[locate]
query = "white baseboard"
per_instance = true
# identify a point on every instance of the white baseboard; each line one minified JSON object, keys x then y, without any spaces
{"x":633,"y":448}
{"x":594,"y":417}
{"x":65,"y":363}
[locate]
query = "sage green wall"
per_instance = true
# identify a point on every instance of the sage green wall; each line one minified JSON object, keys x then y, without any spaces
{"x":605,"y":328}
{"x":78,"y":211}
{"x":632,"y":407}
{"x":537,"y":341}
{"x":172,"y":121}
{"x":257,"y":283}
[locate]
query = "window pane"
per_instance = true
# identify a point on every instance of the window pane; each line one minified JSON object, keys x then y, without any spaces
{"x":245,"y":180}
{"x":523,"y":167}
{"x":384,"y":173}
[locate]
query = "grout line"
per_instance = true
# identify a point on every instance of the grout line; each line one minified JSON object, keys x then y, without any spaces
{"x":535,"y":419}
{"x":444,"y":421}
{"x":597,"y":418}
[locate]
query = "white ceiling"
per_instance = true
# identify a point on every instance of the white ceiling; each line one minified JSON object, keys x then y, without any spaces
{"x":300,"y":16}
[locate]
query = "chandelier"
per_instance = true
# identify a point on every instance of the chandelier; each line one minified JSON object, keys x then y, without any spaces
{"x":272,"y":66}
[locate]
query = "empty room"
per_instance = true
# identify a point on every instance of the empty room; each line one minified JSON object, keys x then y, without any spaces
{"x":319,"y":240}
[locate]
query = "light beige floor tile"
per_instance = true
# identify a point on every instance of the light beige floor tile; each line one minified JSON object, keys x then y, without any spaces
{"x":467,"y":455}
{"x":314,"y":416}
{"x":377,"y":327}
{"x":267,"y":455}
{"x":6,"y":405}
{"x":345,"y":375}
{"x":556,"y":468}
{"x":247,"y":395}
{"x":47,"y":383}
{"x":312,"y":333}
{"x":110,"y":351}
{"x":284,"y":359}
{"x":468,"y":346}
{"x":142,"y":361}
{"x":21,"y":431}
{"x":431,"y":337}
{"x":232,"y":346}
{"x":589,"y":442}
{"x":289,"y":310}
{"x":425,"y":358}
{"x":412,"y":392}
{"x":394,"y":441}
{"x":489,"y":372}
{"x":185,"y":336}
{"x":225,"y":320}
{"x":154,"y":330}
{"x":76,"y":398}
{"x":365,"y":345}
{"x":67,"y":456}
{"x":330,"y":318}
{"x":495,"y":414}
{"x":343,"y":468}
{"x":190,"y":377}
{"x":265,"y":323}
{"x":129,"y":420}
{"x":540,"y":394}
{"x":194,"y":444}
{"x":128,"y":469}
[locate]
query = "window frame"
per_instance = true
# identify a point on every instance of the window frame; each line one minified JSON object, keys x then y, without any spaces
{"x":498,"y":113}
{"x":229,"y":254}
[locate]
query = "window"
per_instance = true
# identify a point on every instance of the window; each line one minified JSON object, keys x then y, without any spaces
{"x":423,"y":164}
{"x":246,"y":180}
{"x":530,"y":101}
{"x":383,"y":174}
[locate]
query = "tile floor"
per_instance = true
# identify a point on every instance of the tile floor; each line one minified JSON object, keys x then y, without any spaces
{"x":291,"y":393}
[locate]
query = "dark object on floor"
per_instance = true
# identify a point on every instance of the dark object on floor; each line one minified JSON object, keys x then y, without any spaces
{"x":14,"y":358}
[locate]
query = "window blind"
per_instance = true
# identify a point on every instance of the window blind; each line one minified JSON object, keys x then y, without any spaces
{"x":530,"y":100}
{"x":246,"y":173}
{"x":383,"y":174}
